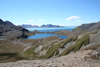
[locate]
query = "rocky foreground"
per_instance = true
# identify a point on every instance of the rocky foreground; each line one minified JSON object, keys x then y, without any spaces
{"x":78,"y":59}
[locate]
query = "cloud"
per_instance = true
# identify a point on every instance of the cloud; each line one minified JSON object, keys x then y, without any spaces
{"x":31,"y":20}
{"x":78,"y":21}
{"x":40,"y":20}
{"x":73,"y":18}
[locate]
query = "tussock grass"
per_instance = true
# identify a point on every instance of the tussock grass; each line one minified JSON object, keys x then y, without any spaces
{"x":57,"y":52}
{"x":30,"y":51}
{"x":55,"y":47}
{"x":82,"y":41}
{"x":75,"y":38}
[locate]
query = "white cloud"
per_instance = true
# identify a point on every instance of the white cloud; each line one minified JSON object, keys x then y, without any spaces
{"x":73,"y":18}
{"x":31,"y":20}
{"x":40,"y":20}
{"x":78,"y":21}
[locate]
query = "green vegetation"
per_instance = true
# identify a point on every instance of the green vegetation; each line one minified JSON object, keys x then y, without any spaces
{"x":75,"y":38}
{"x":57,"y":52}
{"x":30,"y":52}
{"x":65,"y":42}
{"x":55,"y":47}
{"x":9,"y":57}
{"x":84,"y":40}
{"x":94,"y":32}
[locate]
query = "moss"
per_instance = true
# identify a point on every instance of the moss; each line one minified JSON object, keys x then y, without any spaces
{"x":83,"y":40}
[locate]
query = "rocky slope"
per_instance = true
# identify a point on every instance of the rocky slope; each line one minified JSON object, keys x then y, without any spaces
{"x":76,"y":46}
{"x":9,"y":31}
{"x":87,"y":27}
{"x":71,"y":60}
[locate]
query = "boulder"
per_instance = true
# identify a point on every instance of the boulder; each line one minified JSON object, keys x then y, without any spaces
{"x":96,"y":54}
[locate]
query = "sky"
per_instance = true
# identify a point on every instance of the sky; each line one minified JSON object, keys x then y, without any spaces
{"x":57,"y":12}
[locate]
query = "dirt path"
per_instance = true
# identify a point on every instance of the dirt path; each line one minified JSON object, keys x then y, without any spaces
{"x":71,"y":60}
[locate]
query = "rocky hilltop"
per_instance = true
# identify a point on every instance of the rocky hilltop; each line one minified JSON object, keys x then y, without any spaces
{"x":87,"y":27}
{"x":9,"y":31}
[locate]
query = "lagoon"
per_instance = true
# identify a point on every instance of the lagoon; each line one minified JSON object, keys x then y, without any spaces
{"x":43,"y":35}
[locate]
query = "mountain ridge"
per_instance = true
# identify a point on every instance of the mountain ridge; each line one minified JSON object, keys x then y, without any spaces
{"x":9,"y":31}
{"x":42,"y":26}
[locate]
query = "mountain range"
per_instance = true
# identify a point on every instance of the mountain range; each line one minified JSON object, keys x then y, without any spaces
{"x":42,"y":26}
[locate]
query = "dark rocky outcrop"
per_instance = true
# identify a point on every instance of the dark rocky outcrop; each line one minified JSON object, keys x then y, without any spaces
{"x":9,"y":31}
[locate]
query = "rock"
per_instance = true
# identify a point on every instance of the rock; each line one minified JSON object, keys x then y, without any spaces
{"x":96,"y":54}
{"x":38,"y":49}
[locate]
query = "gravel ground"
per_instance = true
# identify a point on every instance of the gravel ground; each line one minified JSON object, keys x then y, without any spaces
{"x":71,"y":60}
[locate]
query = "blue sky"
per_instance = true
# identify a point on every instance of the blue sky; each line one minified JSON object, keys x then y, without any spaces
{"x":59,"y":12}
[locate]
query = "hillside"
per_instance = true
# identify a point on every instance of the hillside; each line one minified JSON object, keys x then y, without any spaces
{"x":80,"y":41}
{"x":87,"y":27}
{"x":9,"y":31}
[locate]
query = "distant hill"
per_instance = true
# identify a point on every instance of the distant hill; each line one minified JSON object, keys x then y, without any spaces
{"x":50,"y":25}
{"x":36,"y":26}
{"x":28,"y":26}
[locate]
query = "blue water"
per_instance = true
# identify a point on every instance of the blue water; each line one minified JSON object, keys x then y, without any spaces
{"x":70,"y":28}
{"x":43,"y":35}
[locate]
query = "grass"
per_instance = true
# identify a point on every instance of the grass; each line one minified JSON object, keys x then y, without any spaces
{"x":9,"y":57}
{"x":55,"y":47}
{"x":57,"y":52}
{"x":75,"y":38}
{"x":94,"y":32}
{"x":29,"y":53}
{"x":83,"y":40}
